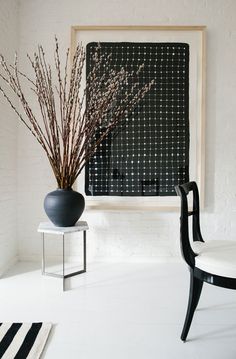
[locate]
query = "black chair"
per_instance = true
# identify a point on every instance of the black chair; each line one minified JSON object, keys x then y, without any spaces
{"x":213,"y":262}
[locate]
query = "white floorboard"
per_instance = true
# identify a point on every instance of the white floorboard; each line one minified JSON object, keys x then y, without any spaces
{"x":121,"y":311}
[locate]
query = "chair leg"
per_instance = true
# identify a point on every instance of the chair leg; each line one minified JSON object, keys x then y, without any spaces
{"x":194,"y":295}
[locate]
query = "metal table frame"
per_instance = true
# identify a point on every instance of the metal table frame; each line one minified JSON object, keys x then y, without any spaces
{"x":61,"y":232}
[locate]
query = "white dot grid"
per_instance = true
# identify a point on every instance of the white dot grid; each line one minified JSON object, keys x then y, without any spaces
{"x":151,"y":153}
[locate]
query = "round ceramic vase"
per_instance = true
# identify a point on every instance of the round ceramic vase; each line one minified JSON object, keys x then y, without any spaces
{"x":64,"y":207}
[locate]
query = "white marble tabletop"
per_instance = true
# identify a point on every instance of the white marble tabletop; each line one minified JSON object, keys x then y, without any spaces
{"x":49,"y":227}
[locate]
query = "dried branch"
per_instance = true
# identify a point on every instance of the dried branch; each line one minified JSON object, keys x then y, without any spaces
{"x":74,"y":121}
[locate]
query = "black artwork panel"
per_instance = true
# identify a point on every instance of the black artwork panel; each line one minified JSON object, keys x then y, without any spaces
{"x":148,"y":155}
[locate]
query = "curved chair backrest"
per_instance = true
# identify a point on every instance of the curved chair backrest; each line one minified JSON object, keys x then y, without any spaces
{"x":183,"y":191}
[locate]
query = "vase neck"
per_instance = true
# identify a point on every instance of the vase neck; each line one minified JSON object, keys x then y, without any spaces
{"x":65,"y":189}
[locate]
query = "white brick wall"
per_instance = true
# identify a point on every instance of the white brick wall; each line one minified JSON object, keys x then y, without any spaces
{"x":8,"y":143}
{"x":137,"y":235}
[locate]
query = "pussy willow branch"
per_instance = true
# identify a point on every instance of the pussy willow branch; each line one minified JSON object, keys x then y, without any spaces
{"x":74,"y":121}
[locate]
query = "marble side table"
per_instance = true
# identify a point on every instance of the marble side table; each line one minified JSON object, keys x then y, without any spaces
{"x":50,"y":228}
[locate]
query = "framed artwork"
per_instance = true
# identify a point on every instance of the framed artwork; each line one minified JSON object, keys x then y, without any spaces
{"x":162,"y":141}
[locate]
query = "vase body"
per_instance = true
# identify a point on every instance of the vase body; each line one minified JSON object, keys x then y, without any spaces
{"x":64,"y":207}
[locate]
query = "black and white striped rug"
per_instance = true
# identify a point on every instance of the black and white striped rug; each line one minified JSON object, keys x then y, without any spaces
{"x":23,"y":340}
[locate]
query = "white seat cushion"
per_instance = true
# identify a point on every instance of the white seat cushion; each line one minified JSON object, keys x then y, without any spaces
{"x":216,"y":257}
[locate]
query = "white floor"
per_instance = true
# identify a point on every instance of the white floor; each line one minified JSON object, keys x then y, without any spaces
{"x":121,"y":311}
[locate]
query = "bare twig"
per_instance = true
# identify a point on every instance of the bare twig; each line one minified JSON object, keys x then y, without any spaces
{"x":73,"y":121}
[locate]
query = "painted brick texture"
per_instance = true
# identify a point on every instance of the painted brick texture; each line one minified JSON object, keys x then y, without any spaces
{"x":130,"y":235}
{"x":8,"y":143}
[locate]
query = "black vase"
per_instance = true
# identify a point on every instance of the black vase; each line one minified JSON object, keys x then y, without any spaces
{"x":64,"y":207}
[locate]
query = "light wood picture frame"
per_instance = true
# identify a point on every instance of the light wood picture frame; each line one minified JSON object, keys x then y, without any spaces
{"x":196,"y":37}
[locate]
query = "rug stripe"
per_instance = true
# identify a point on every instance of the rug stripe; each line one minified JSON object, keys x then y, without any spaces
{"x":17,"y":341}
{"x":8,"y":337}
{"x":40,"y":341}
{"x":28,"y":341}
{"x":3,"y":329}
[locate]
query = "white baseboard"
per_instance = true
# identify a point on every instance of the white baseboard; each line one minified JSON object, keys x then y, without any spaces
{"x":78,"y":259}
{"x":50,"y":258}
{"x":137,"y":259}
{"x":8,"y":265}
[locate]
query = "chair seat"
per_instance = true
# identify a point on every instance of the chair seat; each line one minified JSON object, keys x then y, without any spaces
{"x":216,"y":257}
